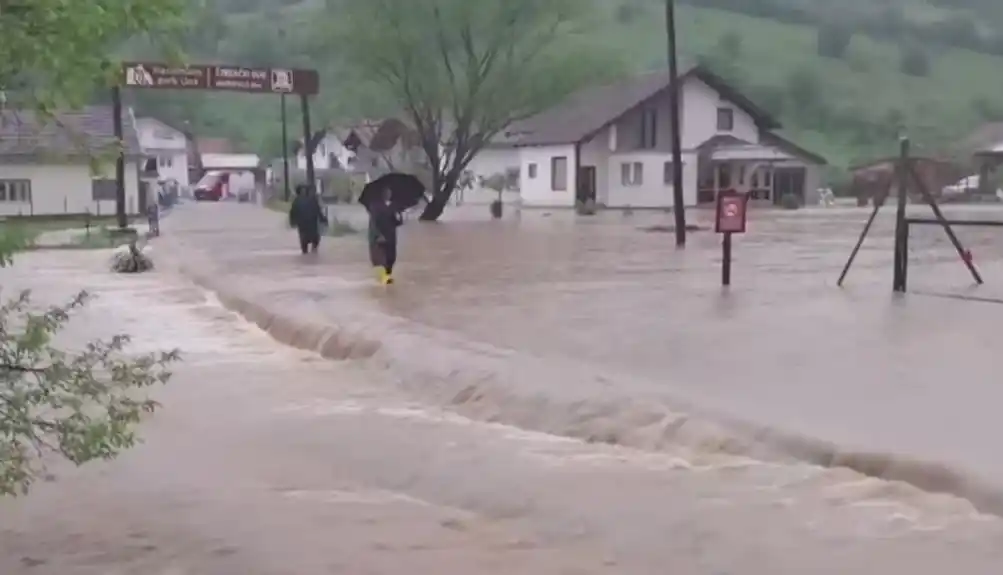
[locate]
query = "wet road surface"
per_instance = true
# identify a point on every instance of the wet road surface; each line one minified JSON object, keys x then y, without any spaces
{"x":265,"y":460}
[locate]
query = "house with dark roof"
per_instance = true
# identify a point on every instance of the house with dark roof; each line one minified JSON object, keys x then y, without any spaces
{"x":370,"y":146}
{"x":66,"y":165}
{"x":612,"y":144}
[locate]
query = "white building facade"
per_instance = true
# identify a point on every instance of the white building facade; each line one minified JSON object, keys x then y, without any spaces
{"x":613,"y":146}
{"x":168,"y":146}
{"x":45,"y":169}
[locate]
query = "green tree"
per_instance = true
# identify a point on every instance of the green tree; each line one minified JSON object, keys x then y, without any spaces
{"x":79,"y":405}
{"x":833,"y":40}
{"x":52,"y":53}
{"x":462,"y":71}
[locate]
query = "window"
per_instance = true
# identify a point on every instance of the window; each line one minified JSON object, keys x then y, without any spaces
{"x":531,"y":171}
{"x":631,"y":174}
{"x":559,"y":173}
{"x":668,"y":174}
{"x":103,"y":189}
{"x":649,"y":129}
{"x":165,"y":161}
{"x":512,"y":179}
{"x":725,"y":119}
{"x":15,"y":191}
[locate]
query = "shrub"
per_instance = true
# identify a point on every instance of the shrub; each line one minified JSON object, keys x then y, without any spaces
{"x":790,"y":202}
{"x":914,"y":61}
{"x":833,"y":40}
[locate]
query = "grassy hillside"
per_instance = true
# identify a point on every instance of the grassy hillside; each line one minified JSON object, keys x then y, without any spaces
{"x":847,"y":108}
{"x":963,"y":88}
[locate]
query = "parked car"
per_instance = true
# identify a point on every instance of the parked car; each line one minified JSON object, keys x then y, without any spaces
{"x":212,"y":187}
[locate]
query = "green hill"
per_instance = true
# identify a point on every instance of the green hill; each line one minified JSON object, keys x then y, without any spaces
{"x":848,"y":107}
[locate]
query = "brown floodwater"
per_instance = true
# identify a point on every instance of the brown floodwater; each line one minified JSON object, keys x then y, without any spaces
{"x":600,"y":328}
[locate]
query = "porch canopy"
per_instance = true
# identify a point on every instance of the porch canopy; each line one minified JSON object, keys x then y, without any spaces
{"x":766,"y":170}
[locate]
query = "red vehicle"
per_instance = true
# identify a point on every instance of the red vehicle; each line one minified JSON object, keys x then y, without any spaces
{"x":213,"y":187}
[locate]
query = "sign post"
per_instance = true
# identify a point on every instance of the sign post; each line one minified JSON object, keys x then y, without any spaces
{"x":730,"y":218}
{"x":221,"y":78}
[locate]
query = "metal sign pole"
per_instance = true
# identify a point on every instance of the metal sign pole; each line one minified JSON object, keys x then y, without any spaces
{"x":285,"y":150}
{"x":116,"y":110}
{"x":307,"y":148}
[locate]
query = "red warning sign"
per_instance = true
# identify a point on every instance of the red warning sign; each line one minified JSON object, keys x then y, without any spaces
{"x":731,"y":212}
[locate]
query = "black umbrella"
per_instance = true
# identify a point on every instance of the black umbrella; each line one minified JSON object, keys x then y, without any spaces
{"x":406,"y":191}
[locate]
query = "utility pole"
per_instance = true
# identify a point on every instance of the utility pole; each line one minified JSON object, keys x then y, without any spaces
{"x":678,"y":198}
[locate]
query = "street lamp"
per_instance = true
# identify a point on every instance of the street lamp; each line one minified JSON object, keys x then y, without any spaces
{"x":678,"y":200}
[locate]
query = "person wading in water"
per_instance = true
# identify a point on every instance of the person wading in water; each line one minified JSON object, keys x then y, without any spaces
{"x":306,"y":216}
{"x":384,"y":219}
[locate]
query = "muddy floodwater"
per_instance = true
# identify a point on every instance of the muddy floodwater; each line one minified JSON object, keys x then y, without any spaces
{"x":575,"y":392}
{"x":547,"y":310}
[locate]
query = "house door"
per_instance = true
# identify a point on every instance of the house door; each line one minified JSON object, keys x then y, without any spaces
{"x":788,"y":181}
{"x":586,"y":184}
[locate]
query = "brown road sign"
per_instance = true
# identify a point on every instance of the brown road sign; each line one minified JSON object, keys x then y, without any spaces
{"x":162,"y":76}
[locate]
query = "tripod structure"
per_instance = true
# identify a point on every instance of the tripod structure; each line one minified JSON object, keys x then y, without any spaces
{"x":905,"y":173}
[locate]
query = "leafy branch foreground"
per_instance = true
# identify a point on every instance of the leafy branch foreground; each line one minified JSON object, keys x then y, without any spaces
{"x":81,"y":405}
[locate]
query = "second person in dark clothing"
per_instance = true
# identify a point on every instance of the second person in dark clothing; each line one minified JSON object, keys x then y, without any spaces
{"x":306,"y":215}
{"x":384,"y":219}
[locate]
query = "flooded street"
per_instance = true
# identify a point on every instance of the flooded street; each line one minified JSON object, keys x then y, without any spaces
{"x":594,"y":327}
{"x":269,"y":460}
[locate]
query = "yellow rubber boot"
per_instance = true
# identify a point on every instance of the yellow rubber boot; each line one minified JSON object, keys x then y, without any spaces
{"x":381,"y":275}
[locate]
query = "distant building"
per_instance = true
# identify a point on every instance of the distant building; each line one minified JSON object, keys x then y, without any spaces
{"x":46,"y":167}
{"x":168,"y":146}
{"x":611,"y":144}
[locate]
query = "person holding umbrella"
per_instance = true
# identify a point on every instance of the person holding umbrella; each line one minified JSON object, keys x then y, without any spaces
{"x":385,"y":198}
{"x":384,"y":220}
{"x":306,"y":215}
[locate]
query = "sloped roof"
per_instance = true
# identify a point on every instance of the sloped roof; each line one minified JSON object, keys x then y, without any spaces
{"x":984,"y":138}
{"x":588,"y":111}
{"x":85,"y":132}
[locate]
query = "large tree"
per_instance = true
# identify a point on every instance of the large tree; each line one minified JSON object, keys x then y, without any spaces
{"x":80,"y":405}
{"x":463,"y":70}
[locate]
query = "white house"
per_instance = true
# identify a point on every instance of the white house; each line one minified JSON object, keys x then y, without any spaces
{"x":329,"y":152}
{"x":46,"y":168}
{"x":168,"y":146}
{"x":612,"y":144}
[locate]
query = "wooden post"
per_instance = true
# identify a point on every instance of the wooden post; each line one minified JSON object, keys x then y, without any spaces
{"x":678,"y":198}
{"x":878,"y":202}
{"x":116,"y":108}
{"x":726,"y":259}
{"x":901,"y":227}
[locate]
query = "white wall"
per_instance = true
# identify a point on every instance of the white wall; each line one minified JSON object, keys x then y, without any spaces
{"x":65,"y":189}
{"x":537,"y":191}
{"x":698,"y":114}
{"x":491,"y":161}
{"x":653,"y":191}
{"x":167,"y":145}
{"x":322,"y":154}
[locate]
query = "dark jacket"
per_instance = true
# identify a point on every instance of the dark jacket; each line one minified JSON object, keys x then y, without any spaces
{"x":383,"y":223}
{"x":306,"y":214}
